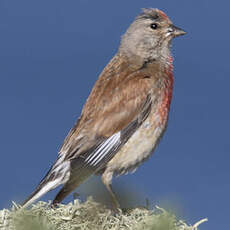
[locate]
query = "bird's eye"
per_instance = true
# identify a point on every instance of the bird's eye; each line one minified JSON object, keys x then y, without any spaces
{"x":154,"y":26}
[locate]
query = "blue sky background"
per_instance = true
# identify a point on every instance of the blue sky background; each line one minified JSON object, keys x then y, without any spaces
{"x":51,"y":53}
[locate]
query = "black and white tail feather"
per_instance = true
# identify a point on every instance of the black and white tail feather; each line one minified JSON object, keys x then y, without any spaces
{"x":58,"y":174}
{"x":72,"y":168}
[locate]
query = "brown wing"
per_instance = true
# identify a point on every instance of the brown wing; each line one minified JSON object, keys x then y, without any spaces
{"x":116,"y":107}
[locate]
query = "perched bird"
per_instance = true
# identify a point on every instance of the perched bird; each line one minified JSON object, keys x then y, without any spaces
{"x":126,"y":113}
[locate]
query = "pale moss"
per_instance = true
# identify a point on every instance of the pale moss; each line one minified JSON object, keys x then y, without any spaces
{"x":89,"y":215}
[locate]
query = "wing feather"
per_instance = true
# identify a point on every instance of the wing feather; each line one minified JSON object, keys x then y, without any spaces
{"x":115,"y":109}
{"x":97,"y":157}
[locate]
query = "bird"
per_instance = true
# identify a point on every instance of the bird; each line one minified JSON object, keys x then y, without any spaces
{"x":125,"y":115}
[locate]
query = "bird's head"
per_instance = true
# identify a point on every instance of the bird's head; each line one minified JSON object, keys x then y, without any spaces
{"x":149,"y":36}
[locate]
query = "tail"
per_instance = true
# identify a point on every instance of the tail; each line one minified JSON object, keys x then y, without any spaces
{"x":58,"y":174}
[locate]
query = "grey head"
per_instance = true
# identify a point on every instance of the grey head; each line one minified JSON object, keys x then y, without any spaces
{"x":149,"y":37}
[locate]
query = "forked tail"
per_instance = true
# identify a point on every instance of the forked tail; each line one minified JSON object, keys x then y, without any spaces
{"x":57,"y":175}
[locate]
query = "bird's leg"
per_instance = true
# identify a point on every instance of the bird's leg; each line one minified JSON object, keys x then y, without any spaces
{"x":115,"y":202}
{"x":107,"y":181}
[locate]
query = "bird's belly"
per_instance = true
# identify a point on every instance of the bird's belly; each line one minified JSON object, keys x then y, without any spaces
{"x":140,"y":146}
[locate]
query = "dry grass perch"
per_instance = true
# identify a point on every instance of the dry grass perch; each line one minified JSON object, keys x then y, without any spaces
{"x":89,"y":215}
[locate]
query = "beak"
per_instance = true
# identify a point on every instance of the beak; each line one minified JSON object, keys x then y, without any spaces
{"x":176,"y":31}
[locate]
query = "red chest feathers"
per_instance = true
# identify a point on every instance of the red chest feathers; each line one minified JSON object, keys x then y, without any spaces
{"x":166,"y":96}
